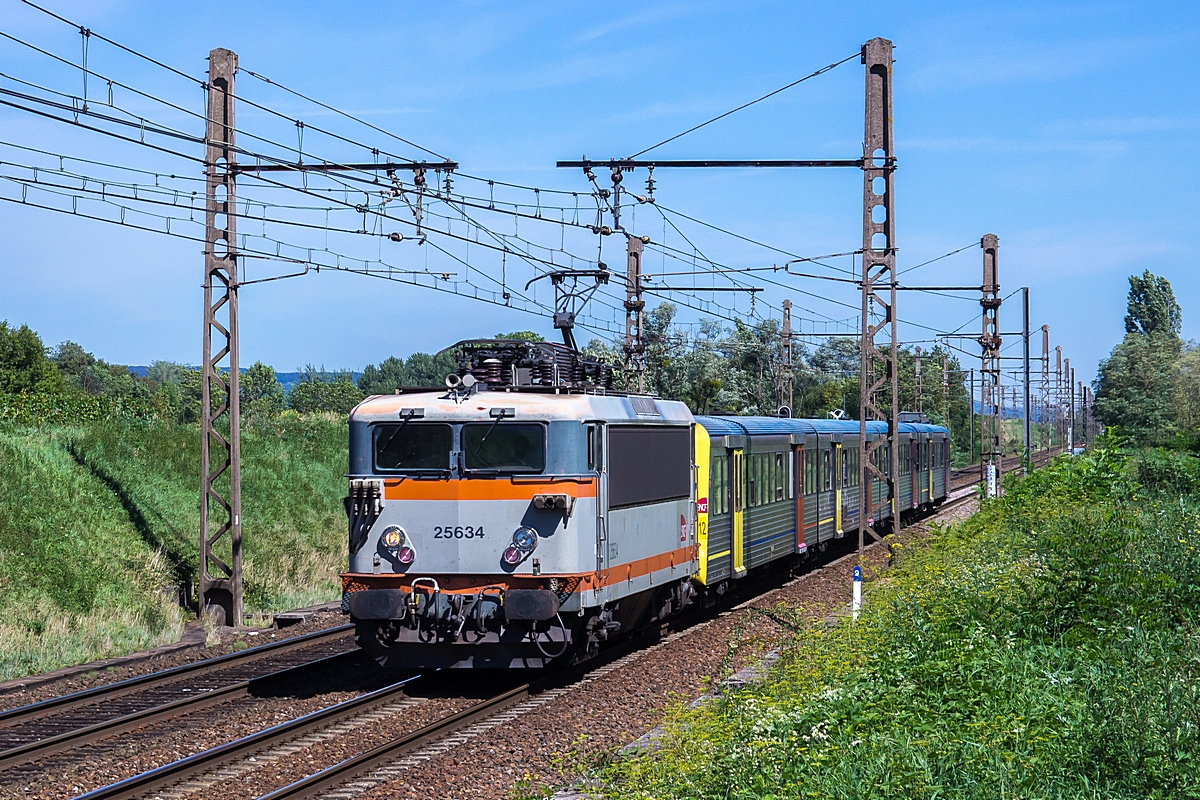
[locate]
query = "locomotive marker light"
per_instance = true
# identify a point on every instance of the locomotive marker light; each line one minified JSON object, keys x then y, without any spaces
{"x":524,"y":542}
{"x":554,"y":502}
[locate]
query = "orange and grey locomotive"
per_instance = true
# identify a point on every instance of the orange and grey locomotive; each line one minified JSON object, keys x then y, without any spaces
{"x":527,"y":513}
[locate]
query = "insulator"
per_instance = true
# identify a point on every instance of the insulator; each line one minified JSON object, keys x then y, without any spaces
{"x":493,"y":371}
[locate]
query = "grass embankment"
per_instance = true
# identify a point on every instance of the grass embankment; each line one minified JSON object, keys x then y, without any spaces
{"x":97,"y":521}
{"x":1047,"y":647}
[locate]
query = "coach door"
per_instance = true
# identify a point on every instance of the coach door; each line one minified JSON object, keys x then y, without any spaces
{"x":739,"y":513}
{"x":798,"y":490}
{"x":839,"y":469}
{"x":931,"y":459}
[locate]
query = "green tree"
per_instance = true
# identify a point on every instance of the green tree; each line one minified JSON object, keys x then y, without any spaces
{"x":1134,"y":386}
{"x":522,"y":336}
{"x":322,"y":391}
{"x":1185,"y":394}
{"x":166,"y":372}
{"x":260,"y":391}
{"x":1152,"y":308}
{"x":382,"y":379}
{"x":24,"y":366}
{"x":337,"y":396}
{"x":424,"y":369}
{"x":71,"y":359}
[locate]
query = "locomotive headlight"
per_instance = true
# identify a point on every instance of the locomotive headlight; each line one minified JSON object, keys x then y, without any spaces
{"x":393,"y":538}
{"x":525,"y":539}
{"x":406,"y":555}
{"x":513,"y":556}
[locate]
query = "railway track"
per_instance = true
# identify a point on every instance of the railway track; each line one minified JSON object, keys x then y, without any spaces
{"x":374,"y":766}
{"x":195,"y":773}
{"x":388,"y":761}
{"x":967,"y":476}
{"x":33,"y":732}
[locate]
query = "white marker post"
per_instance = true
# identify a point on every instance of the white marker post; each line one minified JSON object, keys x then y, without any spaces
{"x":857,"y":604}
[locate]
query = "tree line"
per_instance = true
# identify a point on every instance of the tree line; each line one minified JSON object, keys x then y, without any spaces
{"x":713,"y":368}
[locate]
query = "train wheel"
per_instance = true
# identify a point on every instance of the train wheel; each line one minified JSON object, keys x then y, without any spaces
{"x":377,"y":638}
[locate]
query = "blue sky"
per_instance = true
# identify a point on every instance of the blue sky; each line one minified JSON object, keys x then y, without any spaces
{"x":1070,"y":130}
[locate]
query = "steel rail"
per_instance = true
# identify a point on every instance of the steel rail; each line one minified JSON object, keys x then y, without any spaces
{"x":317,"y":784}
{"x":69,"y":740}
{"x":201,"y":762}
{"x":57,"y":705}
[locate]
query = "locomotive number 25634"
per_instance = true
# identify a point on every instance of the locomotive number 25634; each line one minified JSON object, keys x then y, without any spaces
{"x":458,"y":532}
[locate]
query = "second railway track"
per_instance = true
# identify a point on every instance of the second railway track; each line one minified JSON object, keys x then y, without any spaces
{"x":32,"y":732}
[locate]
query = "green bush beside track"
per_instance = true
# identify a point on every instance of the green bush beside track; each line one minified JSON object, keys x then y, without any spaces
{"x":1046,"y":647}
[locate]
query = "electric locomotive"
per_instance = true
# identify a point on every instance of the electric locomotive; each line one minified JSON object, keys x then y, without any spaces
{"x":526,"y":513}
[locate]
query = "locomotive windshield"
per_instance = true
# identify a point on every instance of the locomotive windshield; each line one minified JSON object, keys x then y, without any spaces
{"x":505,"y":447}
{"x":418,"y":446}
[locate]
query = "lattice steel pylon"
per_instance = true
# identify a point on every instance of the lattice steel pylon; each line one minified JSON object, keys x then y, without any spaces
{"x":990,"y":424}
{"x":220,"y":461}
{"x":878,"y":375}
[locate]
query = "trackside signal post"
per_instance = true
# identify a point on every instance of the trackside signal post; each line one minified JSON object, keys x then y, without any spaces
{"x":220,"y":438}
{"x":878,"y":373}
{"x":635,"y":346}
{"x":990,"y":424}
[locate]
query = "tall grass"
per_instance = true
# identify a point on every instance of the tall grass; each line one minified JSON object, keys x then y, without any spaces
{"x":1048,"y":647}
{"x":76,"y":579}
{"x":98,"y":521}
{"x":293,"y":482}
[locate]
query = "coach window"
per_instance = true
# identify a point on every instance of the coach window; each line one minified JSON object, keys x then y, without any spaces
{"x":718,"y":502}
{"x":723,"y":497}
{"x":752,"y":480}
{"x":764,"y":478}
{"x":810,"y":472}
{"x":780,"y":477}
{"x":756,"y":493}
{"x":826,"y":470}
